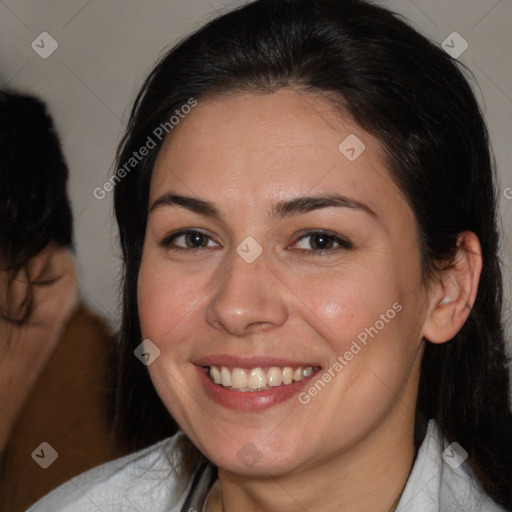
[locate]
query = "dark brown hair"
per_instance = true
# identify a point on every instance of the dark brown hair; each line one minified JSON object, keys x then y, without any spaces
{"x":34,"y":206}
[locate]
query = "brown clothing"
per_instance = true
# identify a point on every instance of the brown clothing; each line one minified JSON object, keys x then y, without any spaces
{"x":68,"y":410}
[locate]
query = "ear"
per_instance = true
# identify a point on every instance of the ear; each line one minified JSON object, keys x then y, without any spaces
{"x":452,"y":296}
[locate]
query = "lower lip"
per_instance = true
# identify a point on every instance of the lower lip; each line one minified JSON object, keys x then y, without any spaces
{"x":250,"y":400}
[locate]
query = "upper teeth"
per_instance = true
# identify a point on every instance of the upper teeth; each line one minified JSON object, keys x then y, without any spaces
{"x":243,"y":379}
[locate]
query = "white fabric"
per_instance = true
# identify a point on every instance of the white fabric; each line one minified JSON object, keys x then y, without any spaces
{"x":434,"y":486}
{"x":143,"y":481}
{"x":147,"y":481}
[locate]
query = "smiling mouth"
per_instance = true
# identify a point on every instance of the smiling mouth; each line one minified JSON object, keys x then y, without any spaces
{"x":257,"y":379}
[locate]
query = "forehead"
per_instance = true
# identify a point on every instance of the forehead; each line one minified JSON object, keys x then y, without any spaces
{"x":271,"y":146}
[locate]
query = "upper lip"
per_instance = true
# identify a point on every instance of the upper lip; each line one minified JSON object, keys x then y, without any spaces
{"x":251,"y":361}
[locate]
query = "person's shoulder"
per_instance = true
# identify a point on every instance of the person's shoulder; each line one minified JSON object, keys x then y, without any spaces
{"x":145,"y":480}
{"x":441,"y":479}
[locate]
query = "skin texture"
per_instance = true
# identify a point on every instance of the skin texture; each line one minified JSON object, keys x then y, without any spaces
{"x":25,"y":349}
{"x":351,"y":447}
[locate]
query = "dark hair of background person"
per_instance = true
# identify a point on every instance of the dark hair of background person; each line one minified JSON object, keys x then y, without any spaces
{"x":415,"y":99}
{"x":34,"y":208}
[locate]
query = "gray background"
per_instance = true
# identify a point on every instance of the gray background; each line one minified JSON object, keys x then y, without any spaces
{"x":106,"y":48}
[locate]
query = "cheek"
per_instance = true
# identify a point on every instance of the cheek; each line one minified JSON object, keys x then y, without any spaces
{"x":371,"y":334}
{"x":329,"y":310}
{"x":164,"y":303}
{"x":343,"y":305}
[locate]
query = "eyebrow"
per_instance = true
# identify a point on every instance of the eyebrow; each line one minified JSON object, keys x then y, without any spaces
{"x":286,"y":208}
{"x":190,"y":203}
{"x":301,"y":205}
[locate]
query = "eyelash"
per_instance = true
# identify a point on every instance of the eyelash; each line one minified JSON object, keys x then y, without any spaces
{"x":343,"y":243}
{"x":169,"y":239}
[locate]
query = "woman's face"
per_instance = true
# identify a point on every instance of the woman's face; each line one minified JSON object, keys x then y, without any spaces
{"x":274,"y":243}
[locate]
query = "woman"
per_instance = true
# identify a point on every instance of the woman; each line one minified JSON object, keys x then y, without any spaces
{"x":37,"y":270}
{"x":54,"y":353}
{"x":310,"y":252}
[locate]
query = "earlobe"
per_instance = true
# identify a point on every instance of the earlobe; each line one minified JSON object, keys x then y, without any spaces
{"x":454,"y":294}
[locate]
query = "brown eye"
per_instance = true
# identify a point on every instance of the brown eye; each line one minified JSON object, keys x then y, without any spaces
{"x":321,"y":241}
{"x":195,"y":239}
{"x":184,"y":240}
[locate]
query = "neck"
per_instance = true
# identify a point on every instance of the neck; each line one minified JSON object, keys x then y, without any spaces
{"x":369,"y":476}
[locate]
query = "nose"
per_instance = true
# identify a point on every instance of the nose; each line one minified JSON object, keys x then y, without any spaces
{"x":250,"y":298}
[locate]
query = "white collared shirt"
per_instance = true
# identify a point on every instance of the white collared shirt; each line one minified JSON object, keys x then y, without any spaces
{"x":440,"y":481}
